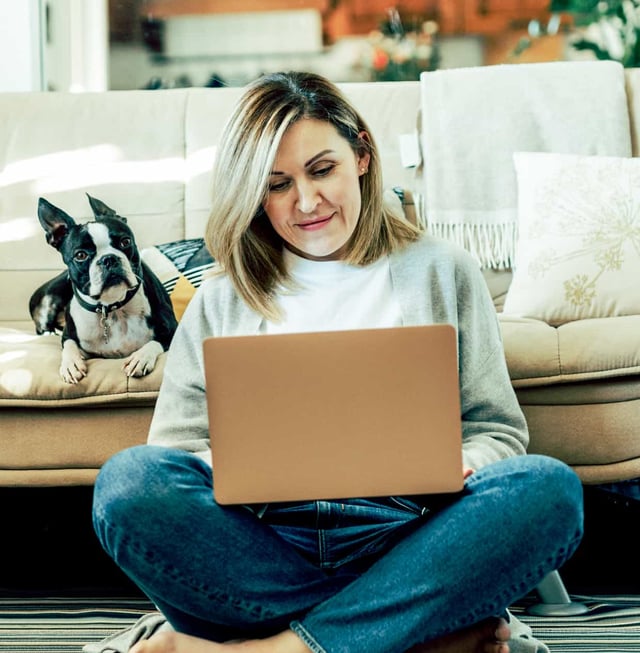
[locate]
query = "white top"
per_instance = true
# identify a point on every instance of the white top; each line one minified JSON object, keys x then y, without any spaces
{"x":334,"y":295}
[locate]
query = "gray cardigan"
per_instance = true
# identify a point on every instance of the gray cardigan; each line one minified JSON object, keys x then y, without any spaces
{"x":434,"y":281}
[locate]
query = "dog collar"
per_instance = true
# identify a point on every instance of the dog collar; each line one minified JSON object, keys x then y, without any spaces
{"x":105,"y":309}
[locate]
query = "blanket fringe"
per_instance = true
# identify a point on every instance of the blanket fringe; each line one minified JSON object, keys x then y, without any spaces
{"x":493,"y":245}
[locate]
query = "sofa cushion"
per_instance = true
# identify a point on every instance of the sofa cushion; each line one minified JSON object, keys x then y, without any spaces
{"x":592,"y":425}
{"x":578,"y":248}
{"x":65,"y":445}
{"x":29,"y":376}
{"x":579,"y":387}
{"x":127,"y":148}
{"x":583,"y":350}
{"x":55,"y":433}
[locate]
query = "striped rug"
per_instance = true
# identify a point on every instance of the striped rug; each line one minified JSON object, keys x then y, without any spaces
{"x":611,"y":625}
{"x":64,"y":625}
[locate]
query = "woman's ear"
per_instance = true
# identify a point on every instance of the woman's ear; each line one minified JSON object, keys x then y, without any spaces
{"x":364,"y":154}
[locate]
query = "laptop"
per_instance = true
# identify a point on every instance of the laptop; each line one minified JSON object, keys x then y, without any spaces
{"x":334,"y":414}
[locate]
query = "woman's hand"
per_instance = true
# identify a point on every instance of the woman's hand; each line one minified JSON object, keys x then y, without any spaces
{"x":467,"y":471}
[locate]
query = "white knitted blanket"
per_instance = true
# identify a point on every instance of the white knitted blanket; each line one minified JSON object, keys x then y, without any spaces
{"x":474,"y":119}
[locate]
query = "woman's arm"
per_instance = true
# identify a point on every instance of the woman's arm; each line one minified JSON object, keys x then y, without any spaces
{"x":493,"y":425}
{"x":180,"y":417}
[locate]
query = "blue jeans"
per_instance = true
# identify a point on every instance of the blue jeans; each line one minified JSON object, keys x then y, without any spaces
{"x":347,"y":576}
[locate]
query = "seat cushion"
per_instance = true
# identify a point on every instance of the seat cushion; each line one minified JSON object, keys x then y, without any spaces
{"x":583,"y":350}
{"x":591,"y":425}
{"x":29,"y":377}
{"x":579,"y":387}
{"x":54,"y":433}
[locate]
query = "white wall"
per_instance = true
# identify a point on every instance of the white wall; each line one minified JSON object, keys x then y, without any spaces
{"x":21,"y":45}
{"x":76,"y":54}
{"x":261,"y":32}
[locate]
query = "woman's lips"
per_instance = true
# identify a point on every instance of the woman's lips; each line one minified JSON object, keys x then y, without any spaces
{"x":312,"y":225}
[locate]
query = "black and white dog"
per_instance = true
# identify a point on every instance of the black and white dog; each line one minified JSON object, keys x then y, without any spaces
{"x":108,"y":303}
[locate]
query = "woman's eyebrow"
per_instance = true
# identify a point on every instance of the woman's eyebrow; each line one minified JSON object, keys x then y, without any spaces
{"x":316,"y":157}
{"x":307,"y":163}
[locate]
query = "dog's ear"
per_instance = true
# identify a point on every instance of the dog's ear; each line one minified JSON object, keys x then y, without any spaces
{"x":55,"y":222}
{"x":101,"y":210}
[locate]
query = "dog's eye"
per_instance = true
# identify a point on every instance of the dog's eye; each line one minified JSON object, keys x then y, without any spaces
{"x":125,"y":242}
{"x":80,"y":255}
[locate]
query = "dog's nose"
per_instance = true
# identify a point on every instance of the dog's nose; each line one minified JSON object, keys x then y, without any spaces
{"x":108,"y":261}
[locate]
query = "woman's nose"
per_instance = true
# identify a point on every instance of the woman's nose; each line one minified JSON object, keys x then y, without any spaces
{"x":307,"y":197}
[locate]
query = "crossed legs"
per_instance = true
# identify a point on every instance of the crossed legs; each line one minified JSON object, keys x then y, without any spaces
{"x":220,"y":574}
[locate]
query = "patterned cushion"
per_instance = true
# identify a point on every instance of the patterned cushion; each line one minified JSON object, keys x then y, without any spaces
{"x":181,"y":266}
{"x":578,"y":249}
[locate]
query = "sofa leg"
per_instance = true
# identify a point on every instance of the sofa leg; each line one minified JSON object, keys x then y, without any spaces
{"x":554,"y":599}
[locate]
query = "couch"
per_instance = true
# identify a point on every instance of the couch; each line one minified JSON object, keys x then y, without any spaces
{"x":148,"y":154}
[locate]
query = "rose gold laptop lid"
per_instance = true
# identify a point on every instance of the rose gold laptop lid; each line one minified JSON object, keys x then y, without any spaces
{"x":336,"y":414}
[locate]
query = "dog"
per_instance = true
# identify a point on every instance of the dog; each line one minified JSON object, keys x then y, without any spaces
{"x":107,"y":303}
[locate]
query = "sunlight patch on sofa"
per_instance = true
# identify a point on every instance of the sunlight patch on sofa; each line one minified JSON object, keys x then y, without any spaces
{"x":9,"y":356}
{"x":14,"y":336}
{"x":18,"y":229}
{"x":200,"y":162}
{"x":17,"y":382}
{"x":100,"y":164}
{"x":30,"y":168}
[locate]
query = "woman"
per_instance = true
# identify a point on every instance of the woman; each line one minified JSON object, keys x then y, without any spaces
{"x":306,"y":242}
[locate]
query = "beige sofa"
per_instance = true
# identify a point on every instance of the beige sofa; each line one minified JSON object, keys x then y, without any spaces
{"x":148,"y":154}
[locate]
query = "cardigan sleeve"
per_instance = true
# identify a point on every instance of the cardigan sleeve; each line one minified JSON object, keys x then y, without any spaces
{"x":438,"y":281}
{"x":493,"y":424}
{"x":180,"y":417}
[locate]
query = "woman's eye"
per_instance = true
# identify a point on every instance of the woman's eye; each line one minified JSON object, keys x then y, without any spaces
{"x":323,"y":171}
{"x":278,"y":186}
{"x":80,"y":256}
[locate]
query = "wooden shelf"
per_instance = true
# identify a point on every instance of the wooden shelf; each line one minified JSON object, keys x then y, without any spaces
{"x":168,"y":8}
{"x":488,"y":16}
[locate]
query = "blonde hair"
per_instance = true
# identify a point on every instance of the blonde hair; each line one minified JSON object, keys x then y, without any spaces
{"x":238,"y":233}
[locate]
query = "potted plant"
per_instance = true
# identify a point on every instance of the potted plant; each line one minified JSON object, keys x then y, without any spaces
{"x":610,"y":29}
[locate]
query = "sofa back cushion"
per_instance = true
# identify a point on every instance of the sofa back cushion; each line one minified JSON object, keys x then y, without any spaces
{"x":125,"y":148}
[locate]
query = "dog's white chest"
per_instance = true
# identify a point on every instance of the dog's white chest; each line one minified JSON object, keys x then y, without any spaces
{"x":116,"y":334}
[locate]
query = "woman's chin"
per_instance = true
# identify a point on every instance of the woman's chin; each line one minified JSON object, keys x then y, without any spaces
{"x":319,"y":253}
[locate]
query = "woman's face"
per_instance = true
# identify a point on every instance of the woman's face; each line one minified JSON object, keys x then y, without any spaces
{"x":313,"y":200}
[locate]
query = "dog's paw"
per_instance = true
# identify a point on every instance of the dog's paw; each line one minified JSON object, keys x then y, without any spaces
{"x":143,"y":360}
{"x":72,"y":366}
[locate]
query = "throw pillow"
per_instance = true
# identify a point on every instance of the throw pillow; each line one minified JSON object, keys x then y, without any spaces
{"x":181,"y":266}
{"x":578,"y":247}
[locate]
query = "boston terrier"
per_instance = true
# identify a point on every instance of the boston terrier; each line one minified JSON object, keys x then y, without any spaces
{"x":107,"y":303}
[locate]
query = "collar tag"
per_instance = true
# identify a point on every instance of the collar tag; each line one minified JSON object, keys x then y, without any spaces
{"x":104,"y":322}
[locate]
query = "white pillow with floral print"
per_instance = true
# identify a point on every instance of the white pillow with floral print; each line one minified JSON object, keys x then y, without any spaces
{"x":578,"y":249}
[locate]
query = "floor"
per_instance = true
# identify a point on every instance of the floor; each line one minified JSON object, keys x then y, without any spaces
{"x":48,"y":546}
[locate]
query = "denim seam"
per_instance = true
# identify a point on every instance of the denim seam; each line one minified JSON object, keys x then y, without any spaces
{"x":322,"y":549}
{"x":306,"y":637}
